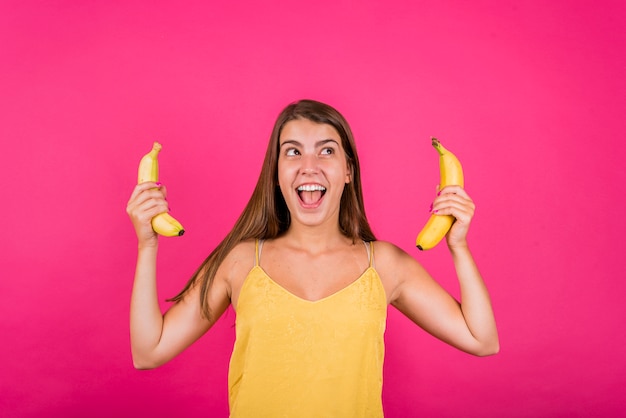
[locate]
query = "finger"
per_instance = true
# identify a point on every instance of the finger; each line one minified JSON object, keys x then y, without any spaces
{"x":452,"y":208}
{"x":142,"y":187}
{"x":455,"y":205}
{"x":148,"y":190}
{"x":153,"y":207}
{"x":148,"y":209}
{"x":145,"y":199}
{"x":453,"y":189}
{"x":453,"y":198}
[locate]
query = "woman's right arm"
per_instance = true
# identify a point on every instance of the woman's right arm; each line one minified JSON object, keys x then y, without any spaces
{"x":155,"y":337}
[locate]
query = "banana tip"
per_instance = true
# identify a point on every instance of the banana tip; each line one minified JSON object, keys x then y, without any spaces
{"x":181,"y":232}
{"x":419,"y":247}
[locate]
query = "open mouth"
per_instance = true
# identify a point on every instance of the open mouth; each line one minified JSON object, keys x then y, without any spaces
{"x":311,"y":194}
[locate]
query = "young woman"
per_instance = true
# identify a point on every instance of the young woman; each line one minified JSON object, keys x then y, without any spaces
{"x":309,"y":282}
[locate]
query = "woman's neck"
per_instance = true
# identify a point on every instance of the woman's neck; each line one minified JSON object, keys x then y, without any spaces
{"x":315,"y":239}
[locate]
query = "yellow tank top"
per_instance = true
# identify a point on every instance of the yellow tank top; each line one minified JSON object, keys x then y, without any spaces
{"x":298,"y":358}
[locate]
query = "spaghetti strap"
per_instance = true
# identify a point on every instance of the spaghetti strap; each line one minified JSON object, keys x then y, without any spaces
{"x":258,"y":246}
{"x":369,"y":246}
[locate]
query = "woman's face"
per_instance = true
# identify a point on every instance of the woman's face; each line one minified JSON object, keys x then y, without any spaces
{"x":312,"y":171}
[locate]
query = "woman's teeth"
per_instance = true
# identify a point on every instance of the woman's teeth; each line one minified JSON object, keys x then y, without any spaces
{"x":311,"y":188}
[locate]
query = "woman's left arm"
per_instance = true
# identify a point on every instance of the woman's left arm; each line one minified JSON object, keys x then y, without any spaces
{"x":475,"y":300}
{"x":469,"y":324}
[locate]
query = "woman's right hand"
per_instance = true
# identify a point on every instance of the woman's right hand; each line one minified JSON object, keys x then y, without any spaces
{"x":147,"y":200}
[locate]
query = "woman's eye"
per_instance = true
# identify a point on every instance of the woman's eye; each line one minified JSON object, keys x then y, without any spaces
{"x":292,"y":152}
{"x":327,"y":151}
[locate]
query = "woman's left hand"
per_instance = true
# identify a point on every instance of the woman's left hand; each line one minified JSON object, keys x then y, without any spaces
{"x":454,"y":200}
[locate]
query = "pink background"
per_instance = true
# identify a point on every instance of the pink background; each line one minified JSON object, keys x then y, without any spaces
{"x":530,"y":95}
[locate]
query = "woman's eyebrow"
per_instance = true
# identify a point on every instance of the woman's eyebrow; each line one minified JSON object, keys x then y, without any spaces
{"x":291,"y":142}
{"x":326,"y":141}
{"x":317,"y":144}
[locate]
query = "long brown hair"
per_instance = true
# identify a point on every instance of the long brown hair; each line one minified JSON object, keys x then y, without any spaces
{"x":266,"y":215}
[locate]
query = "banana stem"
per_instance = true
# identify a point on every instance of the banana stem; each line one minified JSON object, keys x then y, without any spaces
{"x":440,"y":149}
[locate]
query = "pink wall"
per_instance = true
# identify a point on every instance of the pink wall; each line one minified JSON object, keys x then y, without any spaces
{"x":530,"y":95}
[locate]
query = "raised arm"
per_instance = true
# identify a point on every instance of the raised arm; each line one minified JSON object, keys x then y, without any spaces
{"x":156,"y":337}
{"x":469,"y":324}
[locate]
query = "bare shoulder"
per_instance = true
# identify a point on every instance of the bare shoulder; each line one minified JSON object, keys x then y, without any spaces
{"x":239,"y":261}
{"x":395,"y":267}
{"x":235,"y":268}
{"x":244,"y":251}
{"x":387,"y":254}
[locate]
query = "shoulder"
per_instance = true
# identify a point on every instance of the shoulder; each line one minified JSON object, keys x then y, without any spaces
{"x":240,"y":259}
{"x":235,"y":267}
{"x":395,"y":267}
{"x":386,"y":252}
{"x":243,"y":250}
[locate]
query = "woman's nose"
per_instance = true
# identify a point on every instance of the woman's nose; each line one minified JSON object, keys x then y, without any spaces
{"x":310,"y":163}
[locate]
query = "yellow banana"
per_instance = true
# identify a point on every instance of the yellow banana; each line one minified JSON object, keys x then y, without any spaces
{"x":451,"y":173}
{"x":163,"y":224}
